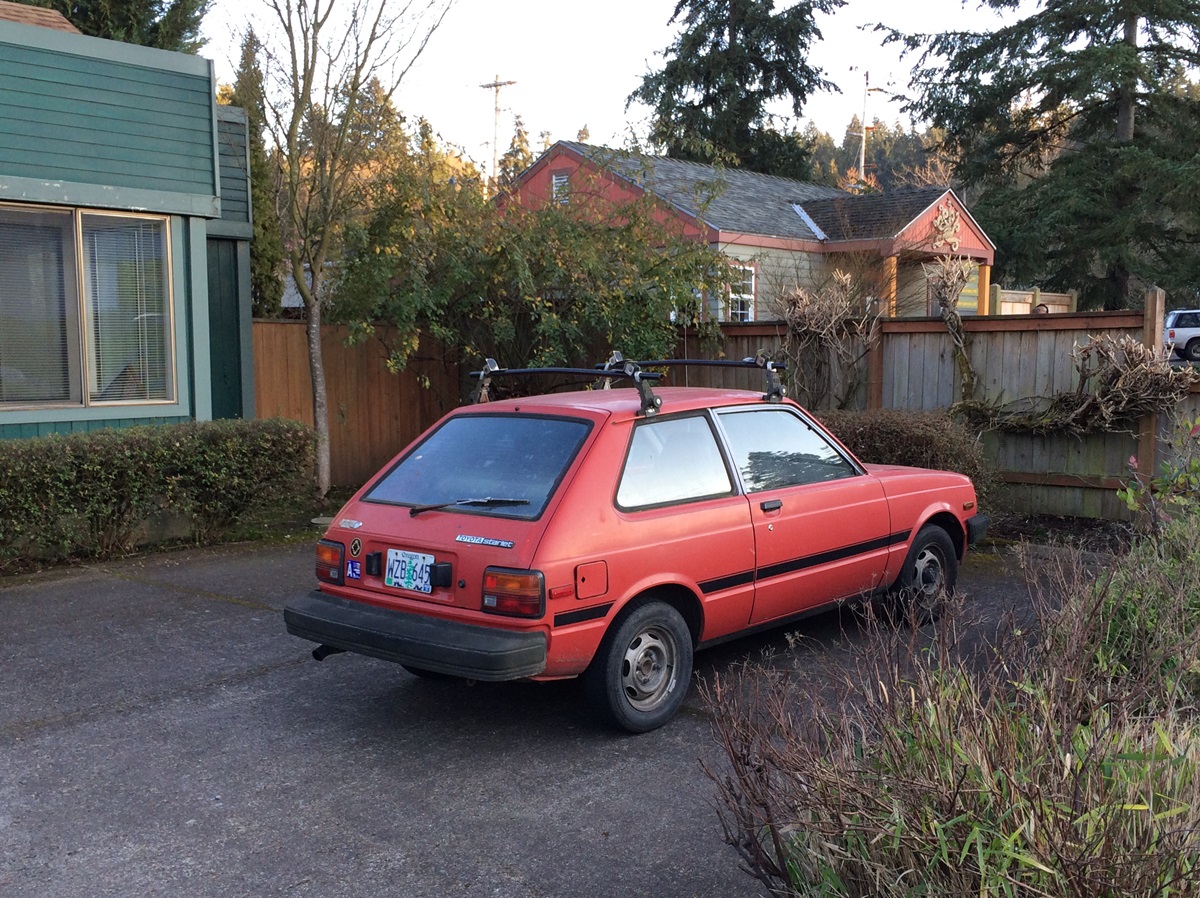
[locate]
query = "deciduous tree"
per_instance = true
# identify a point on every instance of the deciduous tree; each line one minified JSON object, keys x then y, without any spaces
{"x":326,"y":64}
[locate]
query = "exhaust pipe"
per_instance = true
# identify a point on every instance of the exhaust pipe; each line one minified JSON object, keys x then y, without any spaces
{"x":321,"y":652}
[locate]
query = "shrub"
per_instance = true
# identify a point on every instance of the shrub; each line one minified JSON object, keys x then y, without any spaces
{"x":1062,"y":761}
{"x":919,"y":439}
{"x":95,"y":494}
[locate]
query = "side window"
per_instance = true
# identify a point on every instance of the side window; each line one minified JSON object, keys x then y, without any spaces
{"x":774,"y":448}
{"x":672,"y":460}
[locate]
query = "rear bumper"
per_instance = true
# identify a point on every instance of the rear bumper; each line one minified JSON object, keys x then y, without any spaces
{"x":977,"y":526}
{"x":428,"y":643}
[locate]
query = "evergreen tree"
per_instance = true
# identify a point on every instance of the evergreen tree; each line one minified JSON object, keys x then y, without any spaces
{"x":516,"y":158}
{"x":266,"y":248}
{"x":731,"y":59}
{"x":164,"y":24}
{"x":1072,"y":123}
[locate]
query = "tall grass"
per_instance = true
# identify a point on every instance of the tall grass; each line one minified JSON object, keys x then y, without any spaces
{"x":1060,"y":760}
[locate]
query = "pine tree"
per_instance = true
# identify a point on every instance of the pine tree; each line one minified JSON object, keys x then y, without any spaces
{"x":731,"y":59}
{"x":1072,"y":123}
{"x":516,"y":158}
{"x":164,"y":24}
{"x":266,"y":249}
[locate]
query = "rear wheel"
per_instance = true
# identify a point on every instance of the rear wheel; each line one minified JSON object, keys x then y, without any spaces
{"x":641,"y":673}
{"x":927,"y":578}
{"x":1191,"y":352}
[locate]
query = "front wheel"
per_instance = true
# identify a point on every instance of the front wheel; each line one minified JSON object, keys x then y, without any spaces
{"x":927,"y":578}
{"x":640,"y":675}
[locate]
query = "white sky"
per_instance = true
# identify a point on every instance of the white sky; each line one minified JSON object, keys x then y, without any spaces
{"x":574,"y":64}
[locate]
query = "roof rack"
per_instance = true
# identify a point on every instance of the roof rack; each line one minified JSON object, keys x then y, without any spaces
{"x":620,"y":368}
{"x":616,"y":368}
{"x":775,"y":389}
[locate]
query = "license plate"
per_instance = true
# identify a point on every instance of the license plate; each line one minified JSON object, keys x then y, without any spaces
{"x":408,"y":570}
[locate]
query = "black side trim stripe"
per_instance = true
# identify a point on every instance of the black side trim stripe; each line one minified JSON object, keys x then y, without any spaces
{"x":799,"y":564}
{"x":583,"y":614}
{"x":729,"y":582}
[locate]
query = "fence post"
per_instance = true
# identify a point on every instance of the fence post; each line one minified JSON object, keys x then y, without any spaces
{"x":1152,"y":321}
{"x":875,"y":366}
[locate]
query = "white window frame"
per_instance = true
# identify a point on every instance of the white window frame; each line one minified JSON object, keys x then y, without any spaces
{"x":560,"y":187}
{"x":740,"y":305}
{"x":86,"y":288}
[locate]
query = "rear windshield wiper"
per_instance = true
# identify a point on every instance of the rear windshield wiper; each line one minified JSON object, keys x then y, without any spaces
{"x":476,"y":503}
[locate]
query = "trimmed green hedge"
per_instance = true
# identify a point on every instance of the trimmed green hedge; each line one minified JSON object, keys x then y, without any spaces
{"x":96,"y":494}
{"x":919,"y":439}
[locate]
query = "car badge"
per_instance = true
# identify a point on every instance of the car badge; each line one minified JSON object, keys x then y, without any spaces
{"x":350,"y":524}
{"x":483,"y":541}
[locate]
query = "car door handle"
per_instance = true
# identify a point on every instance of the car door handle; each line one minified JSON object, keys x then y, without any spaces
{"x":771,"y":505}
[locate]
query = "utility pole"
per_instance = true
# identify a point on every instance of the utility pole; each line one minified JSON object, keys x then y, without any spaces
{"x":862,"y":146}
{"x":495,"y":86}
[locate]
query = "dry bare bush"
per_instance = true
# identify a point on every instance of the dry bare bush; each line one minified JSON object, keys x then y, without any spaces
{"x":1042,"y":767}
{"x":947,"y":276}
{"x":1120,"y":381}
{"x":826,"y":339}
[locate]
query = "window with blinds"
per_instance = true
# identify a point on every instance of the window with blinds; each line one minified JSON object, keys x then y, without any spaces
{"x":39,"y":319}
{"x":125,"y":273}
{"x":85,"y":308}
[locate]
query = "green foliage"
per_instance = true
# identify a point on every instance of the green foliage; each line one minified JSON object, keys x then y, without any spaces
{"x":165,"y":24}
{"x":560,"y":284}
{"x":731,"y":60}
{"x":1060,"y":762}
{"x":1176,"y":488}
{"x":266,"y":249}
{"x":1075,"y":124}
{"x":918,"y":439}
{"x":94,"y":494}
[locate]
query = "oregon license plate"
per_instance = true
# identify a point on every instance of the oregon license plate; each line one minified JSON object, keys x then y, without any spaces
{"x":408,"y":570}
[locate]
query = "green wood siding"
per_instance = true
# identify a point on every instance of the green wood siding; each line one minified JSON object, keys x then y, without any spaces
{"x":88,"y":113}
{"x":235,"y":164}
{"x":45,"y":428}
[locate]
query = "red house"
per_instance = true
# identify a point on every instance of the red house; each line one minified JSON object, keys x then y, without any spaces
{"x":778,"y":233}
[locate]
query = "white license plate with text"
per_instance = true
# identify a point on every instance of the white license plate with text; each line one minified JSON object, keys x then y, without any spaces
{"x":408,"y":570}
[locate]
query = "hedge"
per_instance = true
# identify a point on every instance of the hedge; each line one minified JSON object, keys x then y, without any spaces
{"x":97,"y":494}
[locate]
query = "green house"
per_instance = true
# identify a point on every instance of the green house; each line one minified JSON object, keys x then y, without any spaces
{"x":124,"y":234}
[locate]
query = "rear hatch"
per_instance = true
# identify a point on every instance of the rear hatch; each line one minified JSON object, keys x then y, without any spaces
{"x":474,"y":493}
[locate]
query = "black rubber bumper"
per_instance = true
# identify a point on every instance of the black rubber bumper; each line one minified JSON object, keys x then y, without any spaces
{"x":428,"y":643}
{"x":977,"y":526}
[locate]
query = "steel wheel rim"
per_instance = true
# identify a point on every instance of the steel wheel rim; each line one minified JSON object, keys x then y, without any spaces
{"x":648,"y":668}
{"x":929,"y":572}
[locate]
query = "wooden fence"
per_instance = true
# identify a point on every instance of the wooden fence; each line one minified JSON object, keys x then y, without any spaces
{"x":373,"y":413}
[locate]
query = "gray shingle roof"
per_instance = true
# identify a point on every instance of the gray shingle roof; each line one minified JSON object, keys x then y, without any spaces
{"x":727,"y":199}
{"x":871,"y":216}
{"x":35,"y":15}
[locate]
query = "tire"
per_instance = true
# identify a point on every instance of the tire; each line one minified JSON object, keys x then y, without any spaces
{"x":641,"y":673}
{"x":927,"y":578}
{"x":1191,"y":352}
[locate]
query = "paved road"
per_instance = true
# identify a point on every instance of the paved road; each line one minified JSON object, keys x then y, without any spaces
{"x":161,"y":735}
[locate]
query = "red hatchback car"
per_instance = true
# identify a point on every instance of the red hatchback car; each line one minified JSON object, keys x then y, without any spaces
{"x":609,"y":533}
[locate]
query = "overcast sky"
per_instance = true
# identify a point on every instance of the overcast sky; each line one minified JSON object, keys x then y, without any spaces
{"x":575,"y":64}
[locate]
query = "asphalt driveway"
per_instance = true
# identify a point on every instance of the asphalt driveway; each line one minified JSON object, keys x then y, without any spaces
{"x":160,"y":734}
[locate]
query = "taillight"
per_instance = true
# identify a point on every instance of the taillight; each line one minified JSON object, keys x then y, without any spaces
{"x":329,"y":561}
{"x":519,"y":593}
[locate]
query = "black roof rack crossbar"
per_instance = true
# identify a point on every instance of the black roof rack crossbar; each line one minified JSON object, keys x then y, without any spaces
{"x":628,"y":371}
{"x":775,"y":389}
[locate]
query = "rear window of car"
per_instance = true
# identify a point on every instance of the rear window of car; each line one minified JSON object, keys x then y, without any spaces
{"x":477,"y":457}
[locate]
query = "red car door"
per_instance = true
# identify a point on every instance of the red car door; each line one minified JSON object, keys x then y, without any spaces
{"x":821,"y":523}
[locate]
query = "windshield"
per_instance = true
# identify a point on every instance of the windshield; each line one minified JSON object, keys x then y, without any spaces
{"x":473,"y":457}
